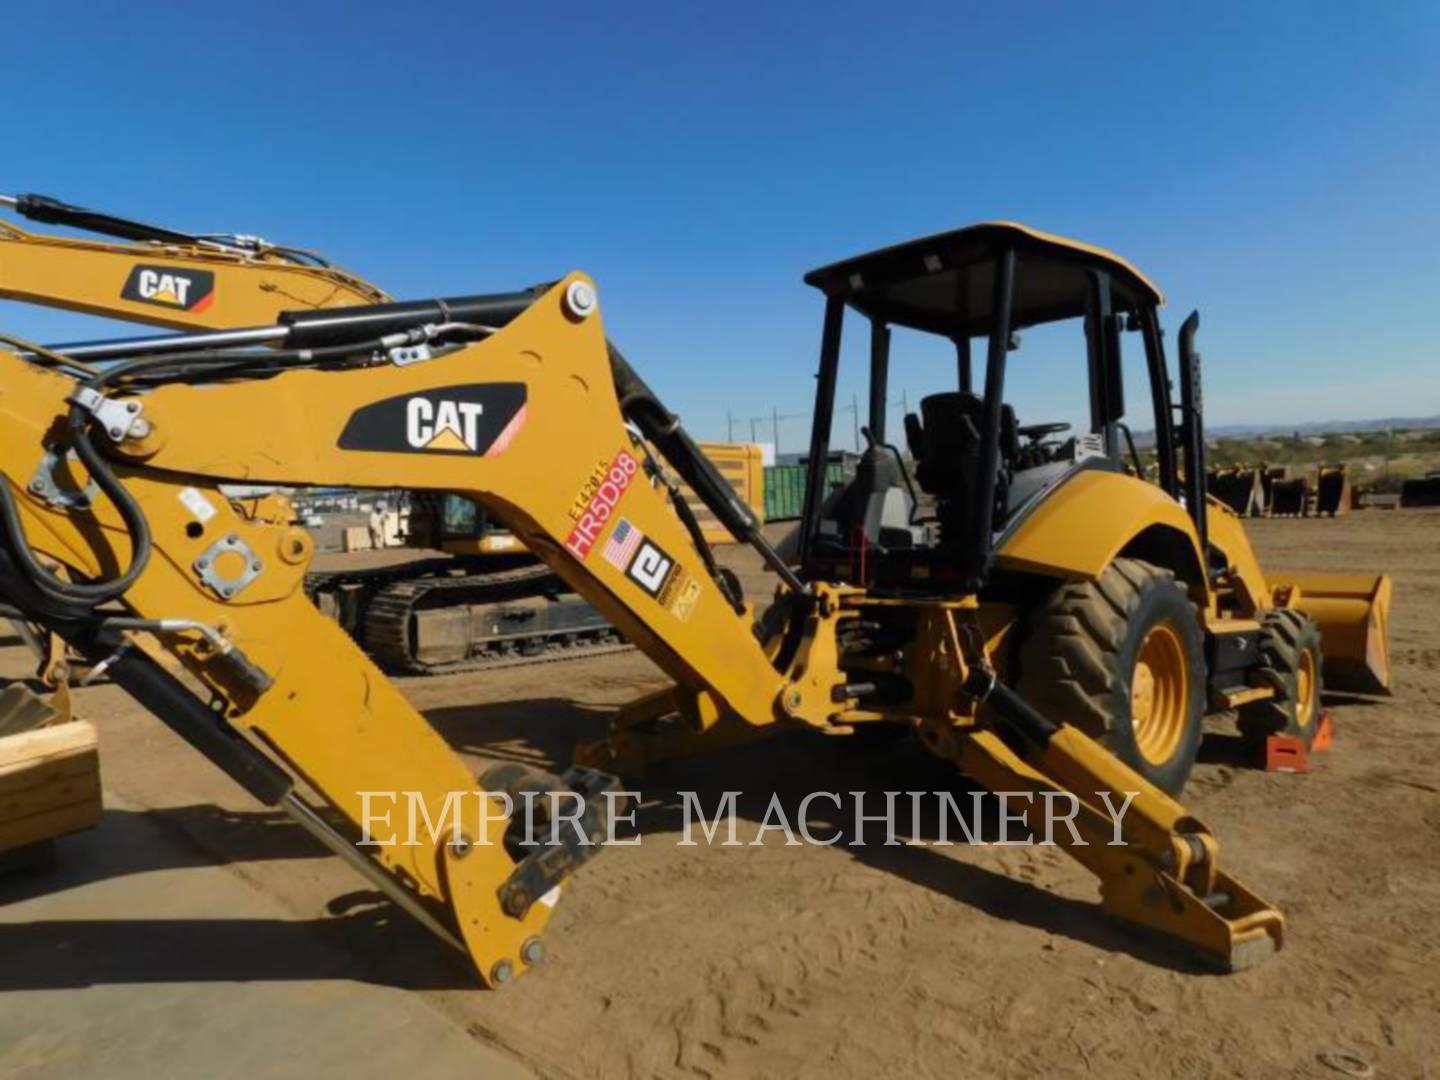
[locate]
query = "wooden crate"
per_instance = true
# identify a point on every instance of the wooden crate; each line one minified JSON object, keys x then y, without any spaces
{"x":49,"y":783}
{"x":357,"y":538}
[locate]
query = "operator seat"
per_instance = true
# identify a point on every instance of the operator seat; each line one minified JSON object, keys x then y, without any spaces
{"x":946,"y":446}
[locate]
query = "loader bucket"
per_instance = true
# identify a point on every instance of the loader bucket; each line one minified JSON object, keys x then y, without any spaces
{"x":1353,"y":613}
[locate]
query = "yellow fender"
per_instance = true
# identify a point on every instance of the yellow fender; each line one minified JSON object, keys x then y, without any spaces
{"x":1094,"y":516}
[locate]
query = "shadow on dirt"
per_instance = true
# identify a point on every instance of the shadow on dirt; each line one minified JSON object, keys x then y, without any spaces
{"x":365,"y":940}
{"x":1219,"y":748}
{"x":378,"y":946}
{"x":543,"y":733}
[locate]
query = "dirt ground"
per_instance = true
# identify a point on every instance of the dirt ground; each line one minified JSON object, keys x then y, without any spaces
{"x":767,"y":960}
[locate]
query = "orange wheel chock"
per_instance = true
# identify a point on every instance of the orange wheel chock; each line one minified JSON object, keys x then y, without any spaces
{"x":1286,"y":753}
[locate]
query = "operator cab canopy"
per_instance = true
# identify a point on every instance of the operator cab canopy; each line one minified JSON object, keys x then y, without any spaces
{"x":981,"y":468}
{"x":944,"y":284}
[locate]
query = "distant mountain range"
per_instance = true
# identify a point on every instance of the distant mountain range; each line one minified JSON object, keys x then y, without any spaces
{"x":1312,"y":427}
{"x":1321,"y":427}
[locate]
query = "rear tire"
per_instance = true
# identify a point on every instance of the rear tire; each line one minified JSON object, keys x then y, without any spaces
{"x":1290,"y":660}
{"x":1123,"y":659}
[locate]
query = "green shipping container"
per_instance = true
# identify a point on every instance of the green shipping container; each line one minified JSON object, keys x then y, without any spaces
{"x":785,"y":488}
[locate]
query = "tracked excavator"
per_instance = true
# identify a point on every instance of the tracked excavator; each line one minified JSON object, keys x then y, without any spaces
{"x":483,"y":603}
{"x":501,"y":608}
{"x":1052,"y":624}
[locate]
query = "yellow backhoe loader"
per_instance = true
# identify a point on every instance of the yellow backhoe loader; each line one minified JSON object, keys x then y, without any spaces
{"x":1057,"y":625}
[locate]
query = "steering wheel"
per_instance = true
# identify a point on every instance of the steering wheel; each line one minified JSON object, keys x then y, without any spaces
{"x":1036,"y":432}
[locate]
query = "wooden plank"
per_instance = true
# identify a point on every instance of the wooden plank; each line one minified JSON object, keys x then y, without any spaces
{"x":49,"y":783}
{"x":47,"y":797}
{"x":22,"y":777}
{"x":47,"y":742}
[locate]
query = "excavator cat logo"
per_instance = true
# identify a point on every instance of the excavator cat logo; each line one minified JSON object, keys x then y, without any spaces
{"x":167,"y":286}
{"x":479,"y":418}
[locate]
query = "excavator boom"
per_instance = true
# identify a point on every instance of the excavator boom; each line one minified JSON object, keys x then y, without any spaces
{"x":162,"y":277}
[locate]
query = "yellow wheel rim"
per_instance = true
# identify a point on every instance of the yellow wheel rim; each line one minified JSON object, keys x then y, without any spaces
{"x":1160,"y":695}
{"x":1305,"y":687}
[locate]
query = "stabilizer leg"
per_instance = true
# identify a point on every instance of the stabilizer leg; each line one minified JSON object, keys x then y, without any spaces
{"x":1163,"y":874}
{"x":1158,"y":865}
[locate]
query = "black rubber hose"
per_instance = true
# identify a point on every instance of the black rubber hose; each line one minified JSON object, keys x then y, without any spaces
{"x":70,"y":592}
{"x":93,"y":594}
{"x":707,"y":554}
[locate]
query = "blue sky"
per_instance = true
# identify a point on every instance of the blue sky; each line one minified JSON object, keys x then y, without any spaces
{"x":1274,"y":165}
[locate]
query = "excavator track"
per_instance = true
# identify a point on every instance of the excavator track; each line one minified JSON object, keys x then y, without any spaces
{"x":414,"y":619}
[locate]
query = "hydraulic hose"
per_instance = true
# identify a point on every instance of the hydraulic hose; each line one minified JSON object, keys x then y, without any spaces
{"x":639,"y":404}
{"x":92,"y":594}
{"x":69,"y":592}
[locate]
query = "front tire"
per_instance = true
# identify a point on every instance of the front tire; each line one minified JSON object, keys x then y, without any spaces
{"x":1123,"y":659}
{"x":1290,"y":660}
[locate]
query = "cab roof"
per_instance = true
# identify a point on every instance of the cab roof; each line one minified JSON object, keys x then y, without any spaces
{"x":943,"y":283}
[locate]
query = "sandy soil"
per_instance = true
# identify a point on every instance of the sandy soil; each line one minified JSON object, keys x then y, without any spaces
{"x":961,"y":961}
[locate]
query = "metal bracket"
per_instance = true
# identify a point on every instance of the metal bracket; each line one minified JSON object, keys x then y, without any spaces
{"x":207,"y":566}
{"x":543,"y":866}
{"x":120,"y":419}
{"x":410,"y":354}
{"x":43,"y":485}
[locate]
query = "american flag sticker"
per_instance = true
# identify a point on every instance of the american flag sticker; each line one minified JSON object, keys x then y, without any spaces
{"x":620,"y":548}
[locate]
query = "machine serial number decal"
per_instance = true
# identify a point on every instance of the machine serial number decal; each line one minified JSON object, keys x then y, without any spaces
{"x":597,"y":500}
{"x":199,"y":506}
